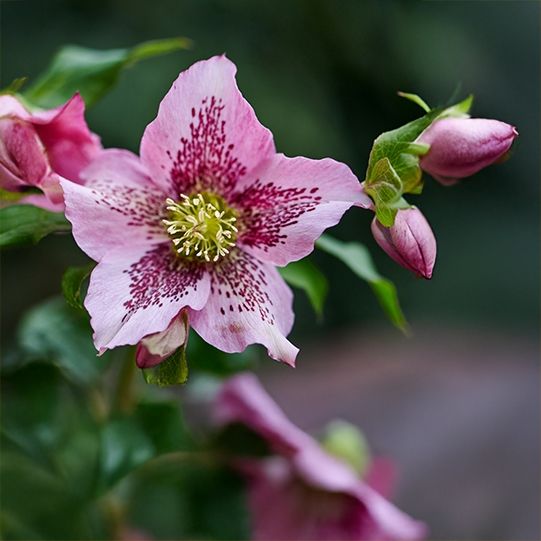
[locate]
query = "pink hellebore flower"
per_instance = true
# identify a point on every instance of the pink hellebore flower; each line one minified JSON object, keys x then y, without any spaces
{"x":410,"y":241}
{"x":460,"y":147}
{"x":302,"y":492}
{"x":39,"y":149}
{"x":200,"y":221}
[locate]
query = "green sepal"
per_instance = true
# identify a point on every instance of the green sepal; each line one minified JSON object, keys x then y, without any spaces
{"x":92,"y":72}
{"x":415,"y":98}
{"x":171,"y":371}
{"x":393,"y":166}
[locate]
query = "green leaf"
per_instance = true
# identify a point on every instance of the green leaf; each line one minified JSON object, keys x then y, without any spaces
{"x":357,"y":257}
{"x":163,"y":424}
{"x":124,"y":447}
{"x":306,"y":276}
{"x":171,"y":371}
{"x":54,"y":331}
{"x":26,"y":224}
{"x":92,"y":72}
{"x":72,"y":282}
{"x":34,"y":416}
{"x":210,"y":360}
{"x":34,"y":500}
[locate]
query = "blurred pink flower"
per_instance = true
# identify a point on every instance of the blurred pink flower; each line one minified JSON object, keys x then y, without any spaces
{"x":39,"y":149}
{"x":410,"y":241}
{"x":301,"y":492}
{"x":460,"y":147}
{"x":200,"y":221}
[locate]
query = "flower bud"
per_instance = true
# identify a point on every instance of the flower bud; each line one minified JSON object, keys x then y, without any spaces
{"x":38,"y":149}
{"x":460,"y":147}
{"x":410,"y":241}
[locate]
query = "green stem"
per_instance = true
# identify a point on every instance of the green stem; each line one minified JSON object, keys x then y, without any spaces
{"x":125,"y":390}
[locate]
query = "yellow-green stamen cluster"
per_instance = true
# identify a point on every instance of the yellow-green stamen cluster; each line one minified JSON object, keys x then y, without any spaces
{"x":201,"y":226}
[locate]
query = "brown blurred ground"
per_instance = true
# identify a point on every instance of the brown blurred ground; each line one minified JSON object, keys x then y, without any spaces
{"x":458,"y":410}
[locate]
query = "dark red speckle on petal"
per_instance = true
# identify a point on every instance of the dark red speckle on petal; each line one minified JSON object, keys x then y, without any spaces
{"x":160,"y":276}
{"x":241,"y":280}
{"x":267,"y":209}
{"x":205,"y":160}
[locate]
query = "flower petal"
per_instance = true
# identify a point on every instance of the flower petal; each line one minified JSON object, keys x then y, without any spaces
{"x":137,"y":291}
{"x":70,"y":144}
{"x":11,"y":106}
{"x":205,"y":133}
{"x":118,"y":207}
{"x":288,"y":202}
{"x":249,"y":303}
{"x":243,"y":400}
{"x":23,"y":161}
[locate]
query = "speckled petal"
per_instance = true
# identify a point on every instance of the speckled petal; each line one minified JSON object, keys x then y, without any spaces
{"x":206,"y":134}
{"x":289,"y":202}
{"x":249,"y":303}
{"x":137,"y":291}
{"x":119,"y":206}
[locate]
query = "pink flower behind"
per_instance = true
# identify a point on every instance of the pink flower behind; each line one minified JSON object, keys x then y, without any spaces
{"x":201,"y":219}
{"x":301,"y":492}
{"x":37,"y":150}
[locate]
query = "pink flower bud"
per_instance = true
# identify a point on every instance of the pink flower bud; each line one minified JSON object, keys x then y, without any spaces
{"x":460,"y":147}
{"x":38,"y":149}
{"x":410,"y":241}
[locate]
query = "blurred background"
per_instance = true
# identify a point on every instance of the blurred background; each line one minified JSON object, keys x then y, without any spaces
{"x":458,"y":403}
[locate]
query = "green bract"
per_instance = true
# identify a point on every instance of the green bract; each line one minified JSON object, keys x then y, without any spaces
{"x":393,"y":166}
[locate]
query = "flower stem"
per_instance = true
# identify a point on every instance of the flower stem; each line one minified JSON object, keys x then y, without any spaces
{"x":125,"y":391}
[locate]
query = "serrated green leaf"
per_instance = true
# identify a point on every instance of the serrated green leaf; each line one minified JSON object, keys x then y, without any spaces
{"x":357,"y":257}
{"x":393,"y":166}
{"x":306,"y":276}
{"x":55,"y":332}
{"x":171,"y":371}
{"x":72,"y":282}
{"x":92,"y":72}
{"x":26,"y":224}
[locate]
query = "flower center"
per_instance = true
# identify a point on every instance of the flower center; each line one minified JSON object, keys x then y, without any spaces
{"x":201,"y":226}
